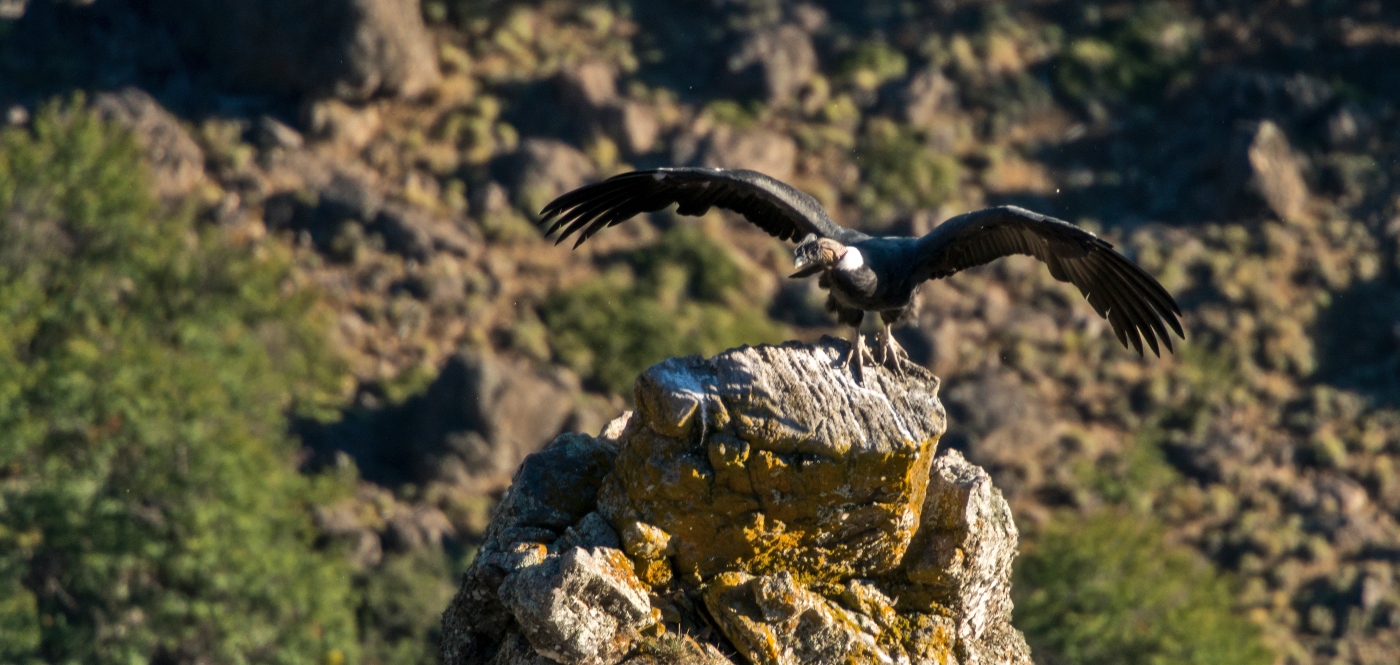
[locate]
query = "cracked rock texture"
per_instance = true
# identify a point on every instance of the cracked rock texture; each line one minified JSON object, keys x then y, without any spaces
{"x":758,"y":507}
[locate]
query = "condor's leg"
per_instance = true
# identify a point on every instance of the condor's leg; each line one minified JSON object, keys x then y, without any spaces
{"x":856,"y":358}
{"x":858,"y":355}
{"x":891,"y":354}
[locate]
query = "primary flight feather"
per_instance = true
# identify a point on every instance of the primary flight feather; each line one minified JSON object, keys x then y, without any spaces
{"x":867,"y":274}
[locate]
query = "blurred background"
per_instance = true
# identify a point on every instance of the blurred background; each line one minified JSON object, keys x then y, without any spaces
{"x":276,"y":324}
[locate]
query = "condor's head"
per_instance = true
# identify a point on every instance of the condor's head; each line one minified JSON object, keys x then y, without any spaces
{"x":814,"y":255}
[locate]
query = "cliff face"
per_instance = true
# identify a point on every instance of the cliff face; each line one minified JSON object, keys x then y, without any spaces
{"x":760,"y":507}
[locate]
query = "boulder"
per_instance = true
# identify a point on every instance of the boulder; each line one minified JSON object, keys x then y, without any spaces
{"x":406,"y":230}
{"x":374,"y":521}
{"x":634,"y":124}
{"x":773,"y":64}
{"x":340,"y":123}
{"x":928,"y":98}
{"x":1349,"y":127}
{"x":12,"y":10}
{"x":592,"y":83}
{"x":177,"y":163}
{"x":515,"y":406}
{"x":773,"y":619}
{"x":545,"y":515}
{"x":352,"y":49}
{"x":351,"y":194}
{"x":1276,"y":173}
{"x":962,"y":557}
{"x":764,"y":151}
{"x":588,"y":92}
{"x":583,"y":606}
{"x":275,"y":134}
{"x":470,"y":428}
{"x":546,"y":168}
{"x":759,"y":502}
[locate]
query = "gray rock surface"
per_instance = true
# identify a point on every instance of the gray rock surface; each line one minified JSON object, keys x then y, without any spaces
{"x":583,"y":606}
{"x":778,"y":60}
{"x":759,"y":507}
{"x":352,"y":49}
{"x":1276,"y":172}
{"x":546,"y":168}
{"x":773,"y":619}
{"x":961,"y":558}
{"x":177,"y":163}
{"x":773,"y":458}
{"x":767,"y":152}
{"x":592,"y":84}
{"x":634,"y":124}
{"x":929,"y":98}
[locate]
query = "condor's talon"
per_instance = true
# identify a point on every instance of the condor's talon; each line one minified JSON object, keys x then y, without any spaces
{"x":892,"y":355}
{"x":856,"y":357}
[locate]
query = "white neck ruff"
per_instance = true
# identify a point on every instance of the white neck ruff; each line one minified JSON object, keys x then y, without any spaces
{"x":851,"y":260}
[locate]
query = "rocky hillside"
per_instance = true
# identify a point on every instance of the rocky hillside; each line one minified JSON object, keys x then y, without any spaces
{"x":1241,"y":151}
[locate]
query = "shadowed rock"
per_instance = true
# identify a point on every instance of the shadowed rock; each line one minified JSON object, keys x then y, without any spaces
{"x":353,"y":49}
{"x":759,"y":507}
{"x":775,"y":62}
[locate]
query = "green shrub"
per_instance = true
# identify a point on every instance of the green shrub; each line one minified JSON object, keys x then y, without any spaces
{"x":871,"y":64}
{"x":681,"y":296}
{"x":149,"y":504}
{"x":403,"y":599}
{"x":1109,"y":589}
{"x":900,"y":172}
{"x":1138,"y":58}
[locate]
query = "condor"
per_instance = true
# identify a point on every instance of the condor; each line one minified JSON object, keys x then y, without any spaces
{"x":865,"y":274}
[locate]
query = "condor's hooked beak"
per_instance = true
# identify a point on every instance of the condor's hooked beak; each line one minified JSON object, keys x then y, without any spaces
{"x":810,"y":257}
{"x":805,"y":268}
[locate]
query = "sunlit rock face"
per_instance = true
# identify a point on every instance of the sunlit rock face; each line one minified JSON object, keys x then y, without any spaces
{"x":766,"y":459}
{"x":758,"y":507}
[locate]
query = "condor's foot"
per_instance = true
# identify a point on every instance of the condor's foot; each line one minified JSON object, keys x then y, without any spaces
{"x":858,"y":355}
{"x":891,"y":354}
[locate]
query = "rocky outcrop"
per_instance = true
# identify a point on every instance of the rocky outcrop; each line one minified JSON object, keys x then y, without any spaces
{"x":470,"y":427}
{"x":928,"y":99}
{"x":1276,"y":173}
{"x":775,"y":63}
{"x":758,"y":507}
{"x":589,"y":91}
{"x":353,"y":49}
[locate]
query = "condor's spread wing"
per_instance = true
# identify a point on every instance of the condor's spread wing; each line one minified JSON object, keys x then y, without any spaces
{"x":1134,"y":303}
{"x":771,"y":205}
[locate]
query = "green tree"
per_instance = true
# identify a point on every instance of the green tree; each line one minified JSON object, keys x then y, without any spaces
{"x":1109,"y":589}
{"x":150,"y":509}
{"x":401,"y":607}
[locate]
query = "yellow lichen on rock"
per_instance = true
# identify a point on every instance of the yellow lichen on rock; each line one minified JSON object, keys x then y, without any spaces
{"x":774,"y":621}
{"x":766,"y":459}
{"x":761,"y":500}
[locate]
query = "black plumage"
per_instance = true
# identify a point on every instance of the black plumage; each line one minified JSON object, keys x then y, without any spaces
{"x":771,"y":205}
{"x":883,"y":274}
